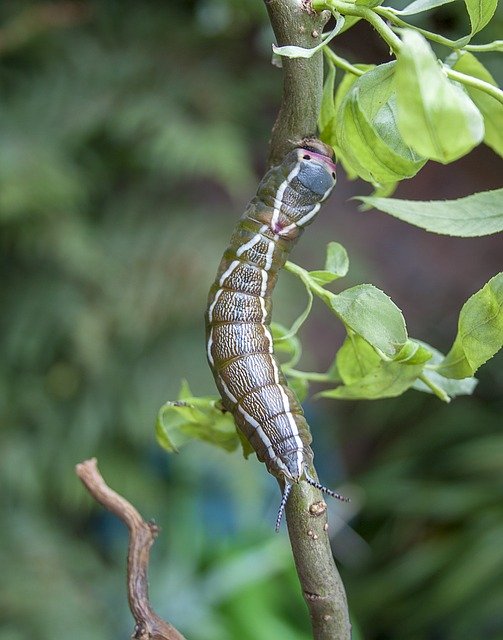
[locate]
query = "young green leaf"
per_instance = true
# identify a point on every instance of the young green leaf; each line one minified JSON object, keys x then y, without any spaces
{"x":444,"y":388}
{"x":387,"y":380}
{"x":337,"y":260}
{"x":323,"y":277}
{"x":420,"y":5}
{"x":367,"y":3}
{"x":371,"y":314}
{"x":347,"y":82}
{"x":477,"y":215}
{"x":435,"y":116}
{"x":195,"y":418}
{"x":185,"y":393}
{"x":491,"y":109}
{"x":327,"y":111}
{"x":480,"y":12}
{"x":366,"y":130}
{"x":336,"y":265}
{"x":432,"y":382}
{"x":480,"y":331}
{"x":329,"y":134}
{"x":413,"y":352}
{"x":349,"y":22}
{"x":355,"y":359}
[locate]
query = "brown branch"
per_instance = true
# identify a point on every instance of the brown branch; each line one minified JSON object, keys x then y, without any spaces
{"x":141,"y":537}
{"x":294,"y":23}
{"x":322,"y":587}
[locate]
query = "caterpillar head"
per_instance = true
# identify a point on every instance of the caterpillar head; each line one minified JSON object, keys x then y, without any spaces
{"x":316,"y":168}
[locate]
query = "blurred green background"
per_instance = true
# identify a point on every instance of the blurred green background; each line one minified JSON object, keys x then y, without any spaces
{"x":131,"y":136}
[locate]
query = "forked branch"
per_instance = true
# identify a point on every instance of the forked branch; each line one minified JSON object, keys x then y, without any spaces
{"x":149,"y":626}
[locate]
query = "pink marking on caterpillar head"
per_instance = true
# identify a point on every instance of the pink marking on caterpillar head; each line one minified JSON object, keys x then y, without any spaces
{"x":318,"y":156}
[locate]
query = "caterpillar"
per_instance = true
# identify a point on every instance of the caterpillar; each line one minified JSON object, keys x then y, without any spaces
{"x":239,"y":341}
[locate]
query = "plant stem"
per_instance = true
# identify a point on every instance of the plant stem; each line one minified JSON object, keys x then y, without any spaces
{"x":342,"y":63}
{"x":305,"y":510}
{"x":390,"y":15}
{"x":313,"y":376}
{"x":436,"y":390}
{"x":496,"y":45}
{"x":476,"y":83}
{"x":360,"y":11}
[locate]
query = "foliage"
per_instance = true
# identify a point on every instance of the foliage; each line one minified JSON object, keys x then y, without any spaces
{"x":376,"y":360}
{"x":129,"y":141}
{"x":475,"y":215}
{"x":385,"y":122}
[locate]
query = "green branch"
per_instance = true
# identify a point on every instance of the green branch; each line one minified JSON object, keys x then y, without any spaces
{"x":342,"y":63}
{"x":360,"y":11}
{"x":476,"y":83}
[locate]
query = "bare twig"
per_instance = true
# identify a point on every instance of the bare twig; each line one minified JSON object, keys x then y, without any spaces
{"x":141,"y":537}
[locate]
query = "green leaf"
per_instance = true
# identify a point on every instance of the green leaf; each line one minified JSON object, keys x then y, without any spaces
{"x":336,"y":265}
{"x":480,"y":331}
{"x":435,"y":116}
{"x":477,"y":215}
{"x":373,"y":315}
{"x":323,"y":277}
{"x":327,"y":111}
{"x":329,"y":134}
{"x":347,"y":82}
{"x":195,"y":418}
{"x":366,"y":130}
{"x":480,"y":12}
{"x":387,"y":380}
{"x":355,"y":359}
{"x":491,"y":109}
{"x":432,"y":382}
{"x":413,"y":352}
{"x":337,"y":260}
{"x":421,"y":5}
{"x":350,"y":22}
{"x":185,"y":393}
{"x":444,"y":388}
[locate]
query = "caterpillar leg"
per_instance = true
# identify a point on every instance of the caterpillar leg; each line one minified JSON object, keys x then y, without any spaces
{"x":284,"y":499}
{"x":288,"y":488}
{"x":323,"y":489}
